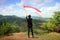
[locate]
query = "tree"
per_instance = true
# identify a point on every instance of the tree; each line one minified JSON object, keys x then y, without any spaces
{"x":53,"y":22}
{"x":56,"y":18}
{"x":7,"y":28}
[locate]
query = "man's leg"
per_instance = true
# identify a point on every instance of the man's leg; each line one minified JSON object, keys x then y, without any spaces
{"x":32,"y":32}
{"x":28,"y":32}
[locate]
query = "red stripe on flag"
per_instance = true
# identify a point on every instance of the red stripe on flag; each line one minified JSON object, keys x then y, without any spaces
{"x":32,"y":7}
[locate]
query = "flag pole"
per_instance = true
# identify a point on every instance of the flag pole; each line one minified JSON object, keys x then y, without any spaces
{"x":25,"y":11}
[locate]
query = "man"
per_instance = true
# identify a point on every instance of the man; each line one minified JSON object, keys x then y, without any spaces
{"x":29,"y":23}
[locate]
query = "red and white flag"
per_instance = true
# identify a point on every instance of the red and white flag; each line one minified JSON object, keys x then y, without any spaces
{"x":33,"y":8}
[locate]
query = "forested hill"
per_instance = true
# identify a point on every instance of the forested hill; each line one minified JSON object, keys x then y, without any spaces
{"x":11,"y":24}
{"x":11,"y":18}
{"x":18,"y":20}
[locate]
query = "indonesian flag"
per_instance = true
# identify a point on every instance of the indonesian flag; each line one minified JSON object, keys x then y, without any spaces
{"x":33,"y":8}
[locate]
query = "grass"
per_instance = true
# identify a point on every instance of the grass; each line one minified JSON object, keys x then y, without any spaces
{"x":53,"y":36}
{"x":40,"y":32}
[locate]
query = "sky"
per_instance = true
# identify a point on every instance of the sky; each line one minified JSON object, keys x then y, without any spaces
{"x":15,"y":7}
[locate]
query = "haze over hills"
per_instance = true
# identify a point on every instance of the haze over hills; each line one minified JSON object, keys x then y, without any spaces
{"x":16,"y":19}
{"x":19,"y":18}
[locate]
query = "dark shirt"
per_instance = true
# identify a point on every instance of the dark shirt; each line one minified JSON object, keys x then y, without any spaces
{"x":29,"y":21}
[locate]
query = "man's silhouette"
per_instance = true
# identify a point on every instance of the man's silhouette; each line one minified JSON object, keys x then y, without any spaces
{"x":30,"y":28}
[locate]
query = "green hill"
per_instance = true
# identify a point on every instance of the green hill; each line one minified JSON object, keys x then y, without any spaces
{"x":11,"y":24}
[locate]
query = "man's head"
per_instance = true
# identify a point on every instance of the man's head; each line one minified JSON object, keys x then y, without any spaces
{"x":29,"y":16}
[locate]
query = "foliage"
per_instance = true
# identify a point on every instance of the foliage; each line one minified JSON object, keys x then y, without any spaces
{"x":7,"y":28}
{"x":11,"y":24}
{"x":53,"y":22}
{"x":40,"y":32}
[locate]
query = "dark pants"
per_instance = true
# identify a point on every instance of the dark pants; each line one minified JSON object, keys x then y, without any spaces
{"x":30,"y":28}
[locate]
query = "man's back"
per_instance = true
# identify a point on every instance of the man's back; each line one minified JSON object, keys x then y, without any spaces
{"x":29,"y":20}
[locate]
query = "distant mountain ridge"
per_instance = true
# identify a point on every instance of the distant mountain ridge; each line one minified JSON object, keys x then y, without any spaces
{"x":18,"y":20}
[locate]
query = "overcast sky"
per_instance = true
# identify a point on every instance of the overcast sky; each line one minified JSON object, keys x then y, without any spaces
{"x":15,"y":7}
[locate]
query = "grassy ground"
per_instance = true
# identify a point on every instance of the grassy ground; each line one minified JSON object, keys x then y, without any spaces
{"x":23,"y":36}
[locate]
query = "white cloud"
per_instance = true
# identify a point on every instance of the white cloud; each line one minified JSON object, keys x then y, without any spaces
{"x":49,"y":11}
{"x":46,"y":11}
{"x":10,"y":10}
{"x":34,"y":2}
{"x":20,"y":4}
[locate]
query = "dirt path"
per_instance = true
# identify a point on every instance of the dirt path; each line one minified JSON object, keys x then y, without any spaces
{"x":23,"y":36}
{"x":19,"y":36}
